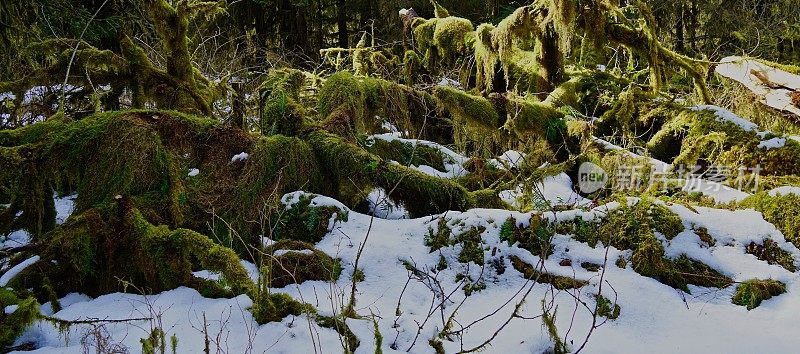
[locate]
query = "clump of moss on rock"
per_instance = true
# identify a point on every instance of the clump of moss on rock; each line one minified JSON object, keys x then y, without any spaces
{"x":304,"y":221}
{"x":294,"y":262}
{"x":751,"y":293}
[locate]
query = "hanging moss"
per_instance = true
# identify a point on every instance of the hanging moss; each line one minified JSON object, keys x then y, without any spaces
{"x":751,"y":293}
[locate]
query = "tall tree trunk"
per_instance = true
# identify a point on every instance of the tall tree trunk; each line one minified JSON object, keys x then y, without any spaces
{"x":341,"y":22}
{"x":680,"y":39}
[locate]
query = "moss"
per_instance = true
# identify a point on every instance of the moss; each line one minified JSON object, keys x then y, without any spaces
{"x":592,"y":267}
{"x":440,"y":238}
{"x":648,"y":260}
{"x":421,"y":194}
{"x":476,"y":111}
{"x":305,"y":222}
{"x":348,"y":105}
{"x":450,"y":36}
{"x":607,"y":309}
{"x":350,"y":340}
{"x":770,"y":252}
{"x":557,"y":281}
{"x":269,"y":307}
{"x":471,"y":246}
{"x":407,"y":153}
{"x":528,"y":117}
{"x":13,"y":324}
{"x":101,"y":250}
{"x":751,"y":293}
{"x":299,"y":262}
{"x":665,"y":221}
{"x":779,"y":211}
{"x":705,"y":236}
{"x":535,"y":238}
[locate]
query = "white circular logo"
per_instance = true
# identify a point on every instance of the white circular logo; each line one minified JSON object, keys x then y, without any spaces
{"x":591,"y":178}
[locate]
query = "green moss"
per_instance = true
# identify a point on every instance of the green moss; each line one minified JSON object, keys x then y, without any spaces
{"x":407,"y":153}
{"x":305,"y":222}
{"x":704,"y":236}
{"x":535,"y":238}
{"x":559,"y":282}
{"x":648,"y":260}
{"x":529,"y":117}
{"x":101,"y":250}
{"x":450,"y":36}
{"x":476,"y":111}
{"x":269,"y":307}
{"x":350,"y":340}
{"x":440,"y":238}
{"x":607,"y":309}
{"x":13,"y":324}
{"x":471,"y":246}
{"x":298,"y":267}
{"x":752,"y":292}
{"x":779,"y":211}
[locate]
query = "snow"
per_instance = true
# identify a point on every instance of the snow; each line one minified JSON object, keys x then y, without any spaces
{"x":717,"y":191}
{"x":724,"y":115}
{"x":279,"y":253}
{"x":11,"y":273}
{"x":385,"y":208}
{"x":785,"y":190}
{"x":193,"y":172}
{"x":655,"y":318}
{"x":181,"y":313}
{"x":240,"y":157}
{"x":741,"y":70}
{"x":509,"y":159}
{"x":774,"y":143}
{"x":64,"y":207}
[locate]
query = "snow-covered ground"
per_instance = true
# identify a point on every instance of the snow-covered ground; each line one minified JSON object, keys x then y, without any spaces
{"x":412,"y":305}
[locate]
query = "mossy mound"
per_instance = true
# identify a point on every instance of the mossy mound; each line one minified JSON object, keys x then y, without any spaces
{"x":605,"y":308}
{"x":751,"y":293}
{"x":632,"y":227}
{"x":779,"y":210}
{"x":102,"y":250}
{"x":294,"y":262}
{"x":307,"y":222}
